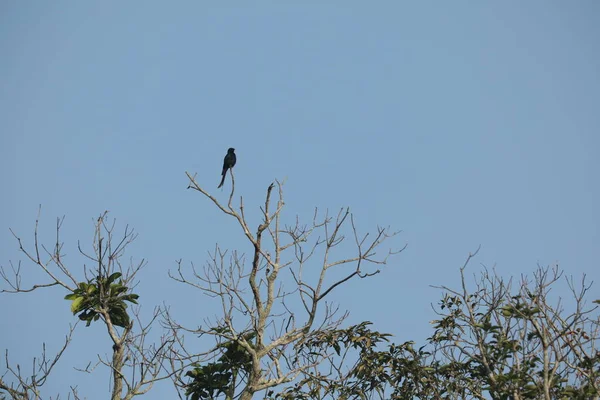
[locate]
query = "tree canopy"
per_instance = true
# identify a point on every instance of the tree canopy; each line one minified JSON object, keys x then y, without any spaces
{"x":493,"y":337}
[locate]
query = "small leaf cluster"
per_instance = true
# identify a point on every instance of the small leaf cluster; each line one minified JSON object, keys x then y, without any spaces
{"x":212,"y":379}
{"x":103,"y":295}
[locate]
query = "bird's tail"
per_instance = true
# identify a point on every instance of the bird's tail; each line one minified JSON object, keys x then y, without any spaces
{"x":222,"y":179}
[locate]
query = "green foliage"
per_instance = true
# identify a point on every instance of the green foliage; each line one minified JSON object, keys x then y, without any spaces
{"x":371,"y":372}
{"x":208,"y":381}
{"x":212,"y":379}
{"x":487,"y":344}
{"x":506,"y":344}
{"x":91,"y":298}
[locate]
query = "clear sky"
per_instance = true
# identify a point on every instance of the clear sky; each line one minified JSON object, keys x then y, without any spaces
{"x":460,"y":123}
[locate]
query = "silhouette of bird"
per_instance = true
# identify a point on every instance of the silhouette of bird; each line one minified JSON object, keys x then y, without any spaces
{"x":228,"y":163}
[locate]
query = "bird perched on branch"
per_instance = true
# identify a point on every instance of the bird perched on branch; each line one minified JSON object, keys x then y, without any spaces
{"x":228,"y":163}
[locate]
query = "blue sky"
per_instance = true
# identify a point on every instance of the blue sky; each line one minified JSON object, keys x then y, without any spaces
{"x":459,"y":123}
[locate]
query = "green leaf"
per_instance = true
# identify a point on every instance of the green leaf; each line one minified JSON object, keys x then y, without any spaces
{"x":119,"y":317}
{"x":88,"y":316}
{"x":131,"y":298}
{"x":336,"y":347}
{"x":91,"y":289}
{"x":117,"y":288}
{"x":76,"y":305}
{"x":113,"y":277}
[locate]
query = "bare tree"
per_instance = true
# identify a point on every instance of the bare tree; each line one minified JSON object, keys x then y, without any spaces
{"x":276,"y":302}
{"x":25,"y":386}
{"x":101,"y":294}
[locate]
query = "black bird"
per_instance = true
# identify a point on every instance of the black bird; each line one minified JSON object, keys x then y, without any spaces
{"x":228,"y":162}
